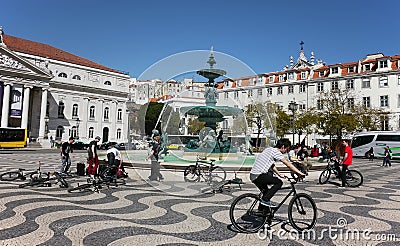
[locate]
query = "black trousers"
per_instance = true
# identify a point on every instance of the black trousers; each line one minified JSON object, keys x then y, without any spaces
{"x":262,"y":182}
{"x":343,"y":174}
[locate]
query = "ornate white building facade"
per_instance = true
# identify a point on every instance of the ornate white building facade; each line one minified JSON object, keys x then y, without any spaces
{"x":375,"y":80}
{"x":63,"y":94}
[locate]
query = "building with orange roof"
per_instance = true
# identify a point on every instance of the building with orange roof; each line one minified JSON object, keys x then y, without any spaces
{"x":61,"y":94}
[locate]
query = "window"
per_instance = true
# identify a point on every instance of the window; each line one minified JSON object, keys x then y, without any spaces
{"x":61,"y":108}
{"x":109,"y":83}
{"x":77,"y":77}
{"x":271,"y":79}
{"x":250,"y":94}
{"x":383,"y":64}
{"x":398,"y":80}
{"x":350,"y":84}
{"x":366,"y":102}
{"x":321,"y":73}
{"x":291,"y":76}
{"x":91,"y":132}
{"x":119,"y":114}
{"x":302,"y":88}
{"x":320,"y":87}
{"x":291,"y":89}
{"x":388,"y":138}
{"x":75,"y":111}
{"x":281,"y":78}
{"x":259,"y":92}
{"x":303,"y":75}
{"x":62,"y":75}
{"x":351,"y":69}
{"x":236,"y":94}
{"x":384,"y":123}
{"x":398,"y":101}
{"x":118,"y":133}
{"x":335,"y":85}
{"x":106,"y":113}
{"x":59,"y":132}
{"x":226,"y":95}
{"x":367,"y":67}
{"x":91,"y":112}
{"x":279,"y":90}
{"x":350,"y":103}
{"x":269,"y":91}
{"x":366,"y":83}
{"x":383,"y":82}
{"x":384,"y":101}
{"x":73,"y":132}
{"x":335,"y":70}
{"x":319,"y":104}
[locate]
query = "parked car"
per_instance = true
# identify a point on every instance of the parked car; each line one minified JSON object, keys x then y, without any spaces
{"x":79,"y":145}
{"x":105,"y":145}
{"x":120,"y":146}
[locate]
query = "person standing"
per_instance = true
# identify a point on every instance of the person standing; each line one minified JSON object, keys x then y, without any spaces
{"x":155,"y":174}
{"x":387,"y":158}
{"x":371,"y":154}
{"x":51,"y":141}
{"x":66,"y":149}
{"x":347,"y":161}
{"x":93,"y":157}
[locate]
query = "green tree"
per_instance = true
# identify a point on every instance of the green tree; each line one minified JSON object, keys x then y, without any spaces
{"x":195,"y":126}
{"x":283,"y":123}
{"x":261,"y":115}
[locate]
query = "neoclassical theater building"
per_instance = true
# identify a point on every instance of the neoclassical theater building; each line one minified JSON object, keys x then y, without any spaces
{"x":55,"y":94}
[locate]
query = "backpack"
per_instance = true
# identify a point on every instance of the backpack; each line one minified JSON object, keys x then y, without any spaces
{"x":390,"y":154}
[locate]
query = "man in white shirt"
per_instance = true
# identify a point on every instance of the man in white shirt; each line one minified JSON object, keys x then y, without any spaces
{"x":261,"y":173}
{"x":114,"y":156}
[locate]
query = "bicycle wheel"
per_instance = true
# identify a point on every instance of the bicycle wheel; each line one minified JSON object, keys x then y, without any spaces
{"x":192,"y":174}
{"x":9,"y":176}
{"x":39,"y":175}
{"x":32,"y":182}
{"x":354,"y":178}
{"x":63,"y":183}
{"x":302,"y":212}
{"x":245,"y":215}
{"x":324,"y":176}
{"x":217,"y":174}
{"x":80,"y":187}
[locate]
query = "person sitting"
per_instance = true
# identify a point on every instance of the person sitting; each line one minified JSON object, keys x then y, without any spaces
{"x":304,"y":157}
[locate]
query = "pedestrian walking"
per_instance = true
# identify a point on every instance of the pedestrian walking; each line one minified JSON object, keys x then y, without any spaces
{"x":387,"y":158}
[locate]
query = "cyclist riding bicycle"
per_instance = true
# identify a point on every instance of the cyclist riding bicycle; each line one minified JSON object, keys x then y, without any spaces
{"x":262,"y":171}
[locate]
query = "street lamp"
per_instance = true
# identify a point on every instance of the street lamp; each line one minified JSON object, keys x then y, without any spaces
{"x":46,"y":127}
{"x":293,"y":107}
{"x":78,"y":121}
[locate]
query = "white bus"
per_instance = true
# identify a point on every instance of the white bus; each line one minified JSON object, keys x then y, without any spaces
{"x":363,"y":141}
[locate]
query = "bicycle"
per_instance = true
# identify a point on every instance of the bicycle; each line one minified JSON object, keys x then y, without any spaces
{"x":248,"y":215}
{"x":108,"y":176}
{"x":45,"y":181}
{"x":353,"y":177}
{"x":206,"y":170}
{"x":14,"y":175}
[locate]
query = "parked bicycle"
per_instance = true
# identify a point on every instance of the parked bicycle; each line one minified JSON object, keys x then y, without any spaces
{"x":207,"y":170}
{"x":20,"y":174}
{"x":353,"y":177}
{"x":248,"y":215}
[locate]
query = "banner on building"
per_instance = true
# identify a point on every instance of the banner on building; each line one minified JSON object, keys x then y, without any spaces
{"x":16,"y":102}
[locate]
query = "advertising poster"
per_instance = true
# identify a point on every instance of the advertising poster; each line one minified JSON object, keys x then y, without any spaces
{"x":16,"y":102}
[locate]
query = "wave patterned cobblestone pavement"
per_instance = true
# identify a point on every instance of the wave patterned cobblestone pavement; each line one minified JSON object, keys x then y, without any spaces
{"x":175,"y":212}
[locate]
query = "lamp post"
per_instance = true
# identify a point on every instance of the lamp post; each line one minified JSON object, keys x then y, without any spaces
{"x":293,"y":107}
{"x":78,"y":121}
{"x":46,"y":127}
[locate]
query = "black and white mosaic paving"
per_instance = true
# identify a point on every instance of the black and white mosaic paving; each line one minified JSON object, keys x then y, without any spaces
{"x":173,"y":212}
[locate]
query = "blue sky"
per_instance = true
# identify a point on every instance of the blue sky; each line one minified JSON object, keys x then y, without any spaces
{"x":132,"y":35}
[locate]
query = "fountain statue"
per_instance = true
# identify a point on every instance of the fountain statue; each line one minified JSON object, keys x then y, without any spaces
{"x":210,"y":142}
